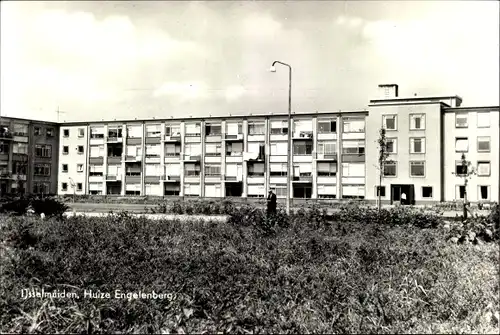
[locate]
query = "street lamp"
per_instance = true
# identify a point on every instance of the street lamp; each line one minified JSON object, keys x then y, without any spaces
{"x":289,"y":147}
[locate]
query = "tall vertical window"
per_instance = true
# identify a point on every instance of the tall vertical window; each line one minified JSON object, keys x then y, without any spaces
{"x":66,"y":132}
{"x":392,"y":145}
{"x":417,"y":121}
{"x":484,"y":192}
{"x":81,"y":132}
{"x":43,"y":150}
{"x":417,"y":145}
{"x":390,"y":122}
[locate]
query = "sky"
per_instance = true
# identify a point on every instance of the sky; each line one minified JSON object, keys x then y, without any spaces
{"x":123,"y":60}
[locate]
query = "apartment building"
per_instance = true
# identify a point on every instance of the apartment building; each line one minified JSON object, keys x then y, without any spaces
{"x":216,"y":157}
{"x":28,"y":156}
{"x":426,"y":137}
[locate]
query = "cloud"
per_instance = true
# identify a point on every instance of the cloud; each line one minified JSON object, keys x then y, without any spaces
{"x":182,"y":90}
{"x":350,"y":21}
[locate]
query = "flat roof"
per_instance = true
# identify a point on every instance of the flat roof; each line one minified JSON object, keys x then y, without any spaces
{"x":27,"y":120}
{"x":418,"y":98}
{"x":452,"y":109}
{"x":222,"y":117}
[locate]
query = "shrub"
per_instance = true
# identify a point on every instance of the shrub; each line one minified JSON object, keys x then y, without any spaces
{"x":17,"y":206}
{"x":49,"y":206}
{"x":177,"y":207}
{"x":476,"y":229}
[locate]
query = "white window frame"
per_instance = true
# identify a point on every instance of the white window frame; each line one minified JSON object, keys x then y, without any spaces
{"x":483,"y":174}
{"x":394,"y":141}
{"x":462,"y":115}
{"x":483,"y":124}
{"x":79,"y":167}
{"x":412,"y":163}
{"x":488,"y":198}
{"x":483,"y":139}
{"x":432,"y":192}
{"x":388,"y":117}
{"x":412,"y":145}
{"x":457,"y":139}
{"x":422,"y":121}
{"x":396,"y":170}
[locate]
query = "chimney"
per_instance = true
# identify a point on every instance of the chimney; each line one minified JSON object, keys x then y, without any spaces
{"x":388,"y":91}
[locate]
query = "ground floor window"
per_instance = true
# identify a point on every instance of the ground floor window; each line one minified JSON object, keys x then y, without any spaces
{"x":484,"y":192}
{"x":427,"y":192}
{"x":380,"y":190}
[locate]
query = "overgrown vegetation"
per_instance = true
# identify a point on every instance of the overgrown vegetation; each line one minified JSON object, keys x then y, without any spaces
{"x":49,"y":206}
{"x":299,"y":274}
{"x":477,"y":229}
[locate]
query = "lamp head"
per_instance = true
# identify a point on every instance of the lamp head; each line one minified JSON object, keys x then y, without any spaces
{"x":272,"y":69}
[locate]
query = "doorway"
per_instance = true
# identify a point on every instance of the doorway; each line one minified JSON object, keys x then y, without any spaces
{"x":398,"y":189}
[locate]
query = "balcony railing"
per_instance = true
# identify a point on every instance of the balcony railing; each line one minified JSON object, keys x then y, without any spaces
{"x":175,"y":137}
{"x":303,"y":178}
{"x":6,"y":135}
{"x":195,"y":158}
{"x":113,"y":177}
{"x":304,"y":135}
{"x":171,"y":178}
{"x":114,"y":139}
{"x":326,"y":156}
{"x":233,"y":137}
{"x":172,"y":154}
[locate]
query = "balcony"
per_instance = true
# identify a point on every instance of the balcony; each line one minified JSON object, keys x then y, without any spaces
{"x":175,"y":137}
{"x":328,"y":156}
{"x":303,"y":135}
{"x":133,"y":158}
{"x":233,"y":137}
{"x":192,"y":158}
{"x":6,"y":136}
{"x":171,"y":179}
{"x":113,"y":177}
{"x":114,"y":159}
{"x":306,"y":179}
{"x":233,"y":178}
{"x":113,"y":139}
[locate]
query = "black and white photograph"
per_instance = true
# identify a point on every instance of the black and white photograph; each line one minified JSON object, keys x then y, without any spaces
{"x":250,"y":167}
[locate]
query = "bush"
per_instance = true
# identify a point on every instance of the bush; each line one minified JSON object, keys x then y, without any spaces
{"x":16,"y":207}
{"x":477,"y":229}
{"x":49,"y":206}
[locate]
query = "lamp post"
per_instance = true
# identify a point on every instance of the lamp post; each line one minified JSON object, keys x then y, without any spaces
{"x":289,"y":146}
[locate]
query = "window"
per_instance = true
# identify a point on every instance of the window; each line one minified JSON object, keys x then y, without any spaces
{"x":79,"y":187}
{"x":192,"y":149}
{"x":37,"y":131}
{"x":417,"y":169}
{"x":41,"y":188}
{"x":256,"y":169}
{"x":42,"y":169}
{"x":327,"y":169}
{"x":327,"y":148}
{"x":20,"y":148}
{"x":461,"y":120}
{"x":152,"y":170}
{"x":302,"y":170}
{"x":66,"y":132}
{"x":279,"y":127}
{"x":153,"y":130}
{"x":49,"y":132}
{"x":153,"y":150}
{"x":460,"y":169}
{"x":97,"y":151}
{"x":192,"y":170}
{"x":483,"y":119}
{"x":389,"y":122}
{"x":483,"y":144}
{"x":134,"y":131}
{"x":279,"y":190}
{"x":461,"y":144}
{"x":278,"y":169}
{"x":353,"y":169}
{"x":193,"y":129}
{"x":390,"y":169}
{"x":256,"y":149}
{"x":96,"y":132}
{"x":81,"y":132}
{"x":417,"y":145}
{"x":460,"y":192}
{"x":380,"y":190}
{"x":65,"y":168}
{"x":234,"y":128}
{"x":116,"y":170}
{"x":234,"y":149}
{"x":172,"y":130}
{"x":43,"y":150}
{"x":64,"y":186}
{"x":302,"y":128}
{"x":131,"y":169}
{"x":80,"y":150}
{"x":356,"y":147}
{"x":256,"y":128}
{"x":212,"y":129}
{"x":173,"y":169}
{"x":483,"y":169}
{"x":4,"y":148}
{"x":19,"y":167}
{"x":353,"y":125}
{"x":79,"y":167}
{"x":327,"y":126}
{"x":213,"y":149}
{"x":392,"y":145}
{"x":212,"y":169}
{"x":426,"y":191}
{"x":96,"y":170}
{"x":115,"y":131}
{"x":279,"y":148}
{"x":20,"y":129}
{"x":172,"y":149}
{"x":65,"y":150}
{"x":302,"y":148}
{"x":484,"y":192}
{"x":417,"y":121}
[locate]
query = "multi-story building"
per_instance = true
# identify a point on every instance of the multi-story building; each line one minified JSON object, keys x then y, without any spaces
{"x":334,"y":154}
{"x":426,"y":137}
{"x":28,"y":156}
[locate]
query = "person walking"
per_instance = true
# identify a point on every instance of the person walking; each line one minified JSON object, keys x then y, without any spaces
{"x":271,"y":203}
{"x":403,"y":198}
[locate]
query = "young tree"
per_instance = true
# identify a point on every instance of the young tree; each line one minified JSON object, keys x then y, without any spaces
{"x":466,"y":171}
{"x":383,"y":159}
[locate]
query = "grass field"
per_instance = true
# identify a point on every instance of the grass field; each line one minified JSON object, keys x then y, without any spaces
{"x":221,"y":277}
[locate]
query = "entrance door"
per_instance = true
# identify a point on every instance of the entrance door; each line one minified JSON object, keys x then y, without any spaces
{"x":407,"y":189}
{"x":395,"y":193}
